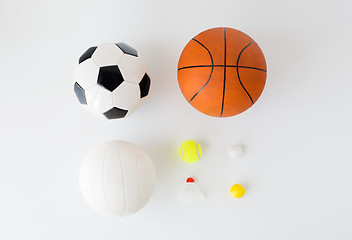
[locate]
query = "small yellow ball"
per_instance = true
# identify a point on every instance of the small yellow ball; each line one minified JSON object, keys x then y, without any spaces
{"x":237,"y":190}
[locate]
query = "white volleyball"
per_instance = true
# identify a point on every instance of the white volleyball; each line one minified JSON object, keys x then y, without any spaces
{"x":117,"y":177}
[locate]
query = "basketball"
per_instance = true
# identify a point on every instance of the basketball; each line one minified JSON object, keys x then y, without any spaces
{"x":221,"y":72}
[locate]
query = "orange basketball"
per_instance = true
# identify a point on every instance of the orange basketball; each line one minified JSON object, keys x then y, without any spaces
{"x":221,"y":72}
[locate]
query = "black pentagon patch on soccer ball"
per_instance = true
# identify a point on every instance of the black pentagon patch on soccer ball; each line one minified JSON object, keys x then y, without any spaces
{"x":87,"y":54}
{"x":115,"y":113}
{"x":126,"y":49}
{"x":144,"y":85}
{"x":80,"y":94}
{"x":110,"y":77}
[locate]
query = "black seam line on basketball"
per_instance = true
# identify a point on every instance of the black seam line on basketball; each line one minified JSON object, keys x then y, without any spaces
{"x":223,"y":89}
{"x":238,"y":73}
{"x":211,"y":57}
{"x":254,"y":68}
{"x":211,"y":72}
{"x":196,"y":66}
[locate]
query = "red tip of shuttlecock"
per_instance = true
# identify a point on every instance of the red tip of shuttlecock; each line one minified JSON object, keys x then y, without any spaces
{"x":190,"y":180}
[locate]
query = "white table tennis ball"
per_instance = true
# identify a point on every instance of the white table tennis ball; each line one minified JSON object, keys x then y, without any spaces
{"x":118,"y":178}
{"x":235,"y":151}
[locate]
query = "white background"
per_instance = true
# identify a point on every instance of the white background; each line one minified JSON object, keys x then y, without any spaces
{"x":297,"y":137}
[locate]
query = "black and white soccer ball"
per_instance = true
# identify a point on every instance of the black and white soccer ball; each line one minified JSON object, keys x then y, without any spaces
{"x":111,"y":80}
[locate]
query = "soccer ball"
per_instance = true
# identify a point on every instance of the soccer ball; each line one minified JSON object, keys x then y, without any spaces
{"x":111,"y":80}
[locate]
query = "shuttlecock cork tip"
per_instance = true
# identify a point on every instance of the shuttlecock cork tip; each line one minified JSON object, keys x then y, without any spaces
{"x":190,"y":180}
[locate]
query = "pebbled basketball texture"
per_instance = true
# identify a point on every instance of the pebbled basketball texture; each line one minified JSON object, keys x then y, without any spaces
{"x":222,"y":72}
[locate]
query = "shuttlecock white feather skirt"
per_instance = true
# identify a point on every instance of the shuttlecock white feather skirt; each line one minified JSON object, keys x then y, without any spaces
{"x":190,"y":193}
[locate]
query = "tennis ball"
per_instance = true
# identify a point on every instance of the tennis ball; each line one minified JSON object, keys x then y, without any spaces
{"x":237,"y":190}
{"x":190,"y":151}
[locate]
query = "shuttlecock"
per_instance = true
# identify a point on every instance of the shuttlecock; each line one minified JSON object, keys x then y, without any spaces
{"x":190,"y":192}
{"x":235,"y":151}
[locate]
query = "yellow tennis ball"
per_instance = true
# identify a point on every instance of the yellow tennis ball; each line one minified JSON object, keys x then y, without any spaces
{"x":190,"y":151}
{"x":237,"y":190}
